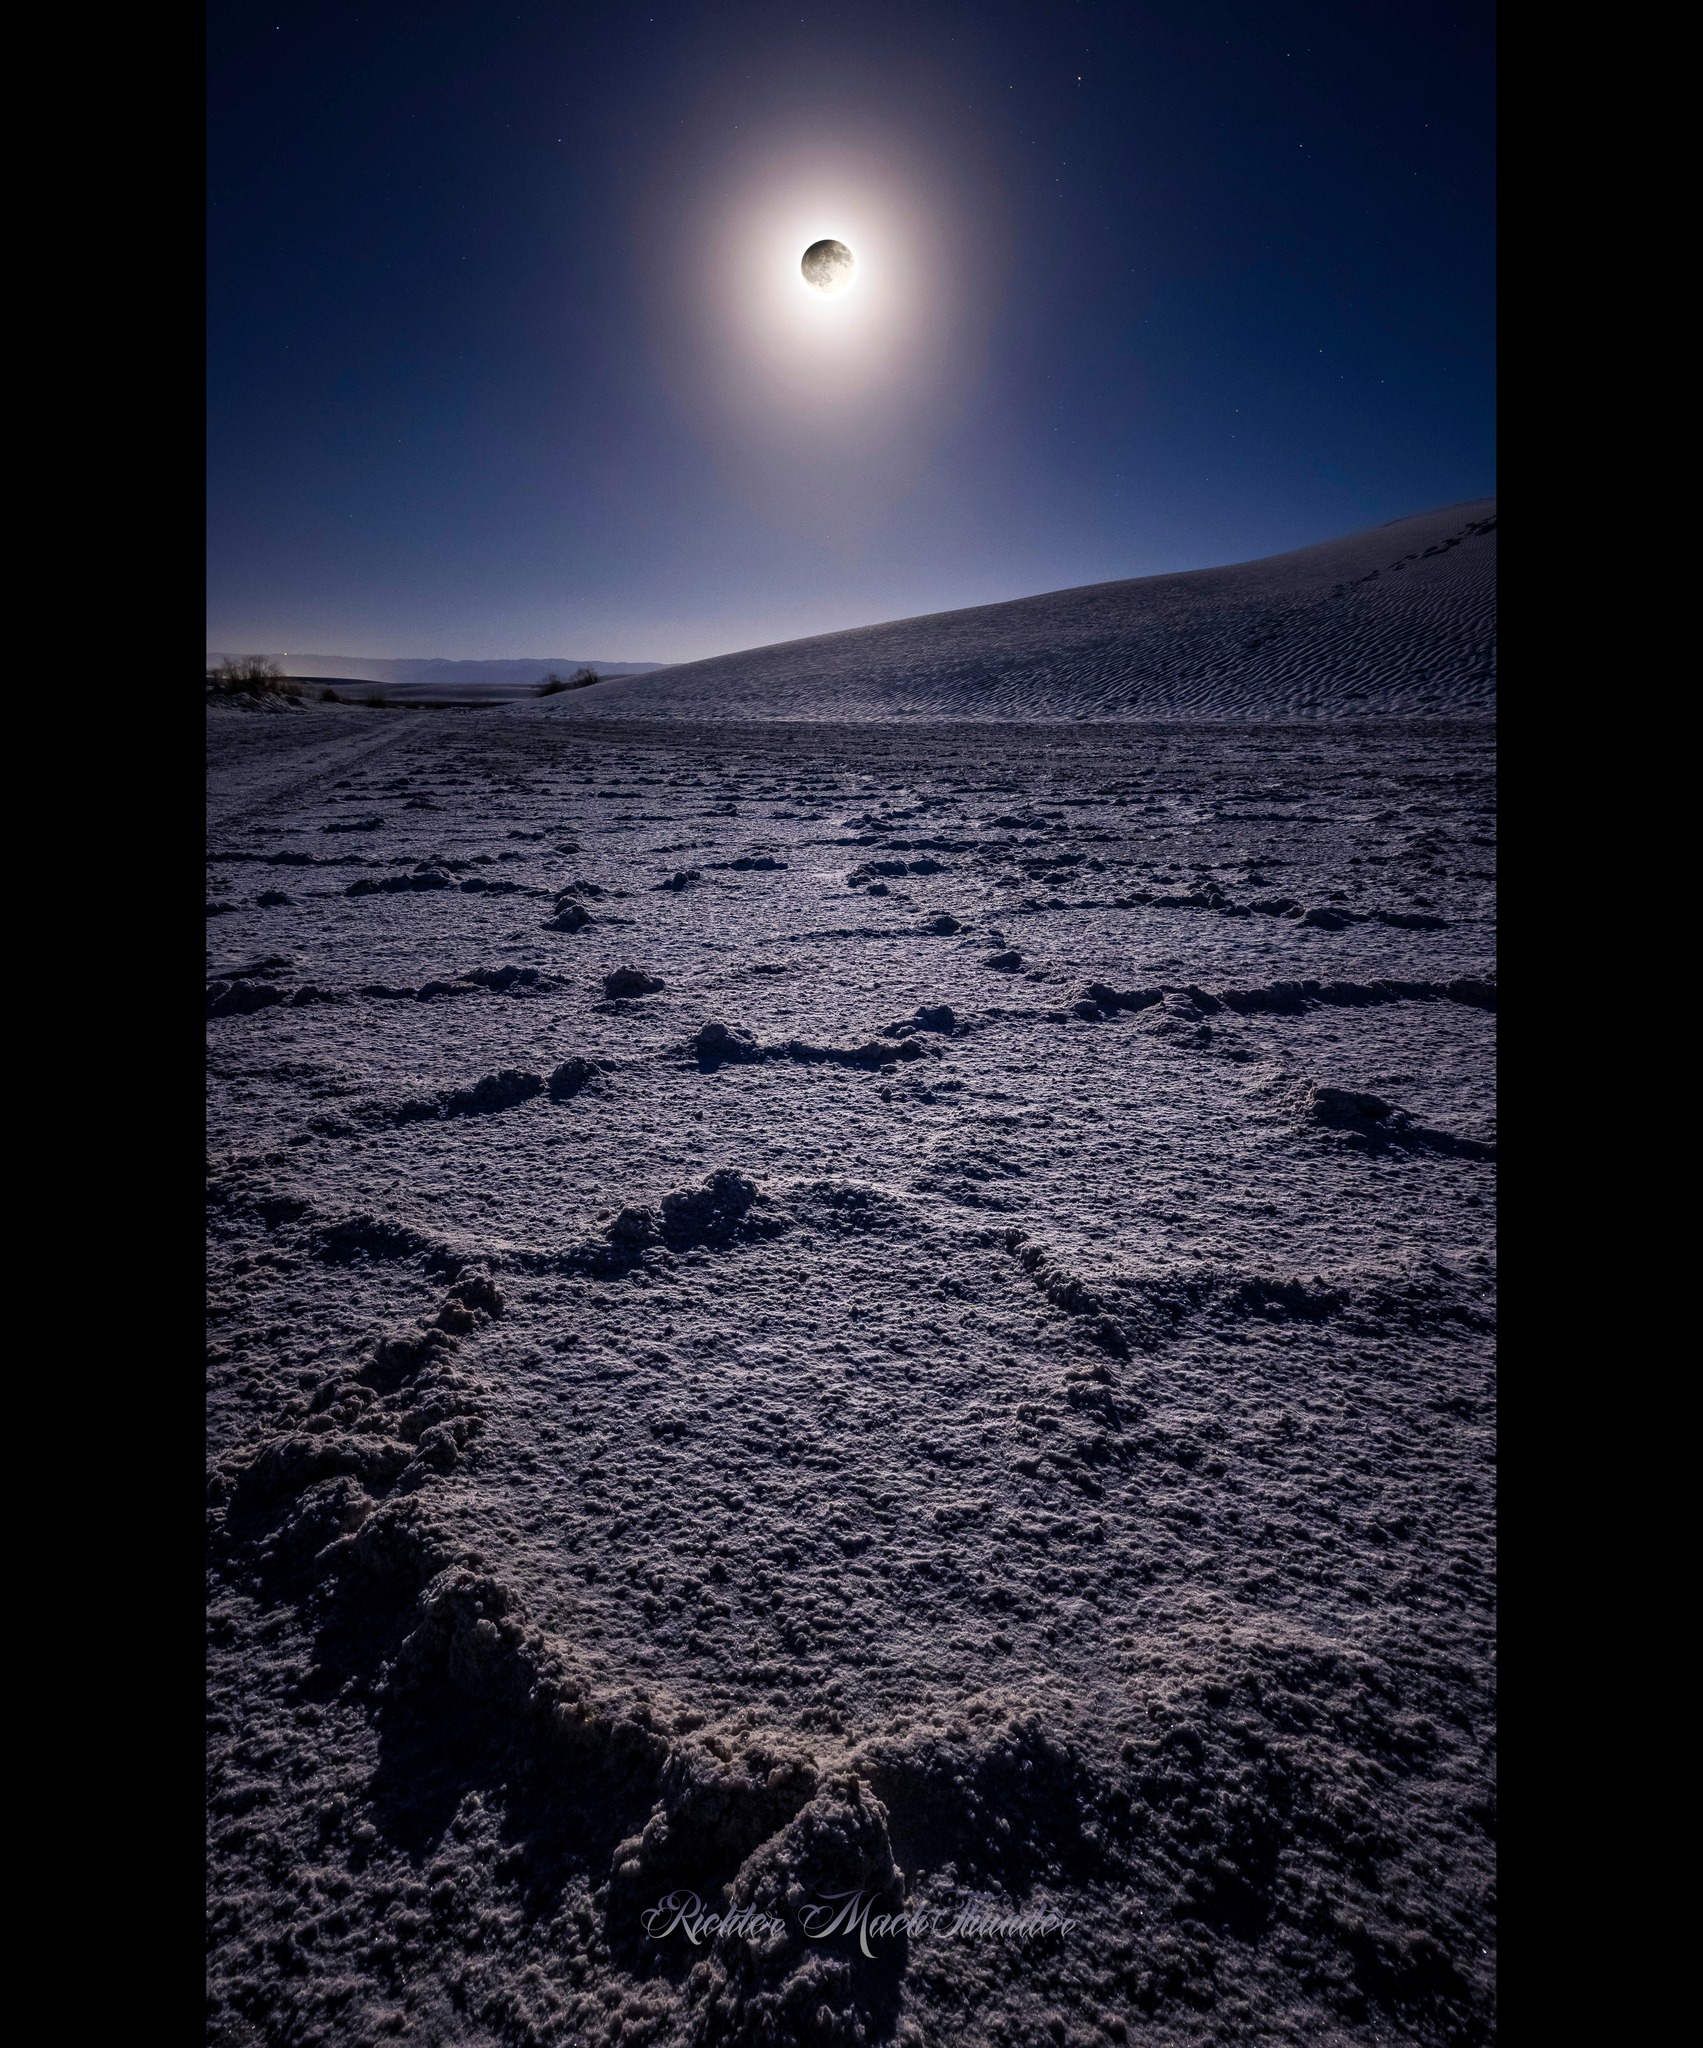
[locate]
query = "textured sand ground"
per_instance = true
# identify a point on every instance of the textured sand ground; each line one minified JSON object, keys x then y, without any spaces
{"x":768,"y":1435}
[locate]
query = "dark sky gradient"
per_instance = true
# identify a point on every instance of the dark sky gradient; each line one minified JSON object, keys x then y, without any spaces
{"x":1215,"y":280}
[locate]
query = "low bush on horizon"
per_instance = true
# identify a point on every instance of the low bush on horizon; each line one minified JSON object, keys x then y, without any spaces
{"x":553,"y":685}
{"x":251,"y":675}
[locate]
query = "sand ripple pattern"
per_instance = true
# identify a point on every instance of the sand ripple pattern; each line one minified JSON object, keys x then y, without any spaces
{"x":1398,"y":621}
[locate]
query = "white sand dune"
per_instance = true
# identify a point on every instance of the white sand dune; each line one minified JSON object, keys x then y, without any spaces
{"x":1397,"y":621}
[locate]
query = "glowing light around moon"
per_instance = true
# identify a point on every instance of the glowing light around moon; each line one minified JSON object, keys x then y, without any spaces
{"x":819,"y":305}
{"x":828,"y":267}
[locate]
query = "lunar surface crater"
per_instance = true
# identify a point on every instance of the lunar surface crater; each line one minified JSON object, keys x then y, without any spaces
{"x":828,"y":266}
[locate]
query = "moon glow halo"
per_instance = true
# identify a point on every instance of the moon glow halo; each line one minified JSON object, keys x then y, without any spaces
{"x":818,"y":311}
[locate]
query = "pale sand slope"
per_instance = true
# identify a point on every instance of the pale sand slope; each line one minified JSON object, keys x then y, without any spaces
{"x":1396,"y":621}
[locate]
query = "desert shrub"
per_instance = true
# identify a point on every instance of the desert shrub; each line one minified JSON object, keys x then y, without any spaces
{"x":329,"y":697}
{"x":553,"y":685}
{"x":251,"y":675}
{"x":374,"y":700}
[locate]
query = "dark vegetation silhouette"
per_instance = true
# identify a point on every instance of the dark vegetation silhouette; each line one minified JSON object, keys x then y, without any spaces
{"x":251,"y":675}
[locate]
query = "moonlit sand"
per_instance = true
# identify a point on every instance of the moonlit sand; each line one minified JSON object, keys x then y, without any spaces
{"x":867,"y":1267}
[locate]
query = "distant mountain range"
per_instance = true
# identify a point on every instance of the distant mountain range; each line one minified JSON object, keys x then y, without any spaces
{"x":439,"y":675}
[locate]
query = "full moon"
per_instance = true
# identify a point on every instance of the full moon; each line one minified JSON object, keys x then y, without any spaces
{"x":828,"y":266}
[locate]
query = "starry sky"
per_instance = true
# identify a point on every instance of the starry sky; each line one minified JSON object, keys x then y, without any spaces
{"x":509,"y":356}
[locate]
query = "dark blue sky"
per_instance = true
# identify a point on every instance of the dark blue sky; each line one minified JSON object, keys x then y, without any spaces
{"x":495,"y":368}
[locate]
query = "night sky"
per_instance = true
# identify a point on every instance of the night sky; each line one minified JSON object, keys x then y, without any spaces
{"x":509,"y":354}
